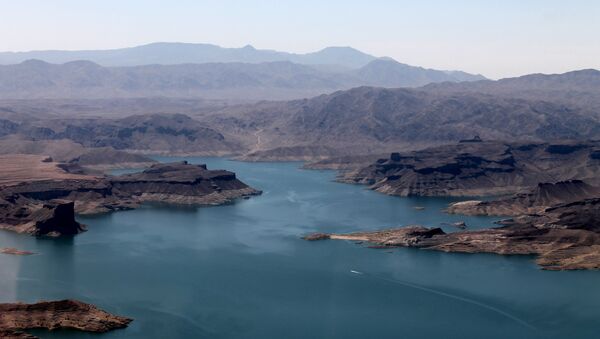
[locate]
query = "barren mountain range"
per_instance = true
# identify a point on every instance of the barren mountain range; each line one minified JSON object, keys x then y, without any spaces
{"x":362,"y":120}
{"x":168,"y":53}
{"x":329,"y":59}
{"x":201,"y":99}
{"x":371,"y":120}
{"x":217,"y":80}
{"x":577,"y":88}
{"x":203,"y":71}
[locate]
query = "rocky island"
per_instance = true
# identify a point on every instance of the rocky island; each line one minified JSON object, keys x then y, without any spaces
{"x":47,"y":203}
{"x":53,"y":315}
{"x":15,"y":251}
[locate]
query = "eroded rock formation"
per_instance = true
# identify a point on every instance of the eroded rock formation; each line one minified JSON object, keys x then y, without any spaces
{"x":50,"y":218}
{"x":48,"y":207}
{"x":53,"y":315}
{"x":479,"y":168}
{"x":564,"y":237}
{"x":544,"y":195}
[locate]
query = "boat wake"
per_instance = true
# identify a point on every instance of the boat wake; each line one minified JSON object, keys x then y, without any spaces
{"x":451,"y":296}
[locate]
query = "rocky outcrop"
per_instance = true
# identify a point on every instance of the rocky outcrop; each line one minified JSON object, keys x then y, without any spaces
{"x":89,"y":196}
{"x":409,"y":236}
{"x":53,"y":315}
{"x":15,"y":251}
{"x":181,"y":183}
{"x":47,"y":207}
{"x":557,"y":221}
{"x":564,"y":237}
{"x":52,"y":218}
{"x":10,"y":334}
{"x":537,"y":200}
{"x":479,"y":168}
{"x":316,"y":236}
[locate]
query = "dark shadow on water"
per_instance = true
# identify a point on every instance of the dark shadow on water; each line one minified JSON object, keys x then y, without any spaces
{"x":64,"y":333}
{"x":59,"y":271}
{"x":161,"y":206}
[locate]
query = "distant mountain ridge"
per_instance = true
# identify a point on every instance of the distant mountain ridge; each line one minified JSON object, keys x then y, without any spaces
{"x":390,"y":73}
{"x":279,"y":80}
{"x":172,"y":53}
{"x":578,"y":88}
{"x":361,"y":120}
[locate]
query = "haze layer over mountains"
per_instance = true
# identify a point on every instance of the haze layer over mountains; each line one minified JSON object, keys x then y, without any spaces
{"x":344,"y":102}
{"x":204,"y":71}
{"x":167,"y":53}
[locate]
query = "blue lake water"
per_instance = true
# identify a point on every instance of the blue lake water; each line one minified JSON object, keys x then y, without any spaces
{"x":242,"y":271}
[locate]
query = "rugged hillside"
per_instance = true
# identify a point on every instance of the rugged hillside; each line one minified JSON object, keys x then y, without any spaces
{"x":270,"y":80}
{"x":157,"y":133}
{"x":59,"y":150}
{"x":30,"y":109}
{"x":390,"y":73}
{"x":68,"y":151}
{"x":480,"y":168}
{"x":358,"y":121}
{"x":17,"y":168}
{"x":578,"y":88}
{"x":362,"y":120}
{"x":84,"y":79}
{"x":375,"y":120}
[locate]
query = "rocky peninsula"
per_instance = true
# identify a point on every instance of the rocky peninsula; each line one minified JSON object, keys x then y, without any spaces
{"x":46,"y":205}
{"x":563,"y":237}
{"x":551,"y":191}
{"x":477,"y":168}
{"x":54,"y":315}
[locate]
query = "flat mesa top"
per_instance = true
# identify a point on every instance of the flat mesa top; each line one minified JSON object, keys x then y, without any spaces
{"x":17,"y":168}
{"x":175,"y":172}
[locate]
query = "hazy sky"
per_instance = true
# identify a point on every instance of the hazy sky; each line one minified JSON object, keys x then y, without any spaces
{"x":495,"y":38}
